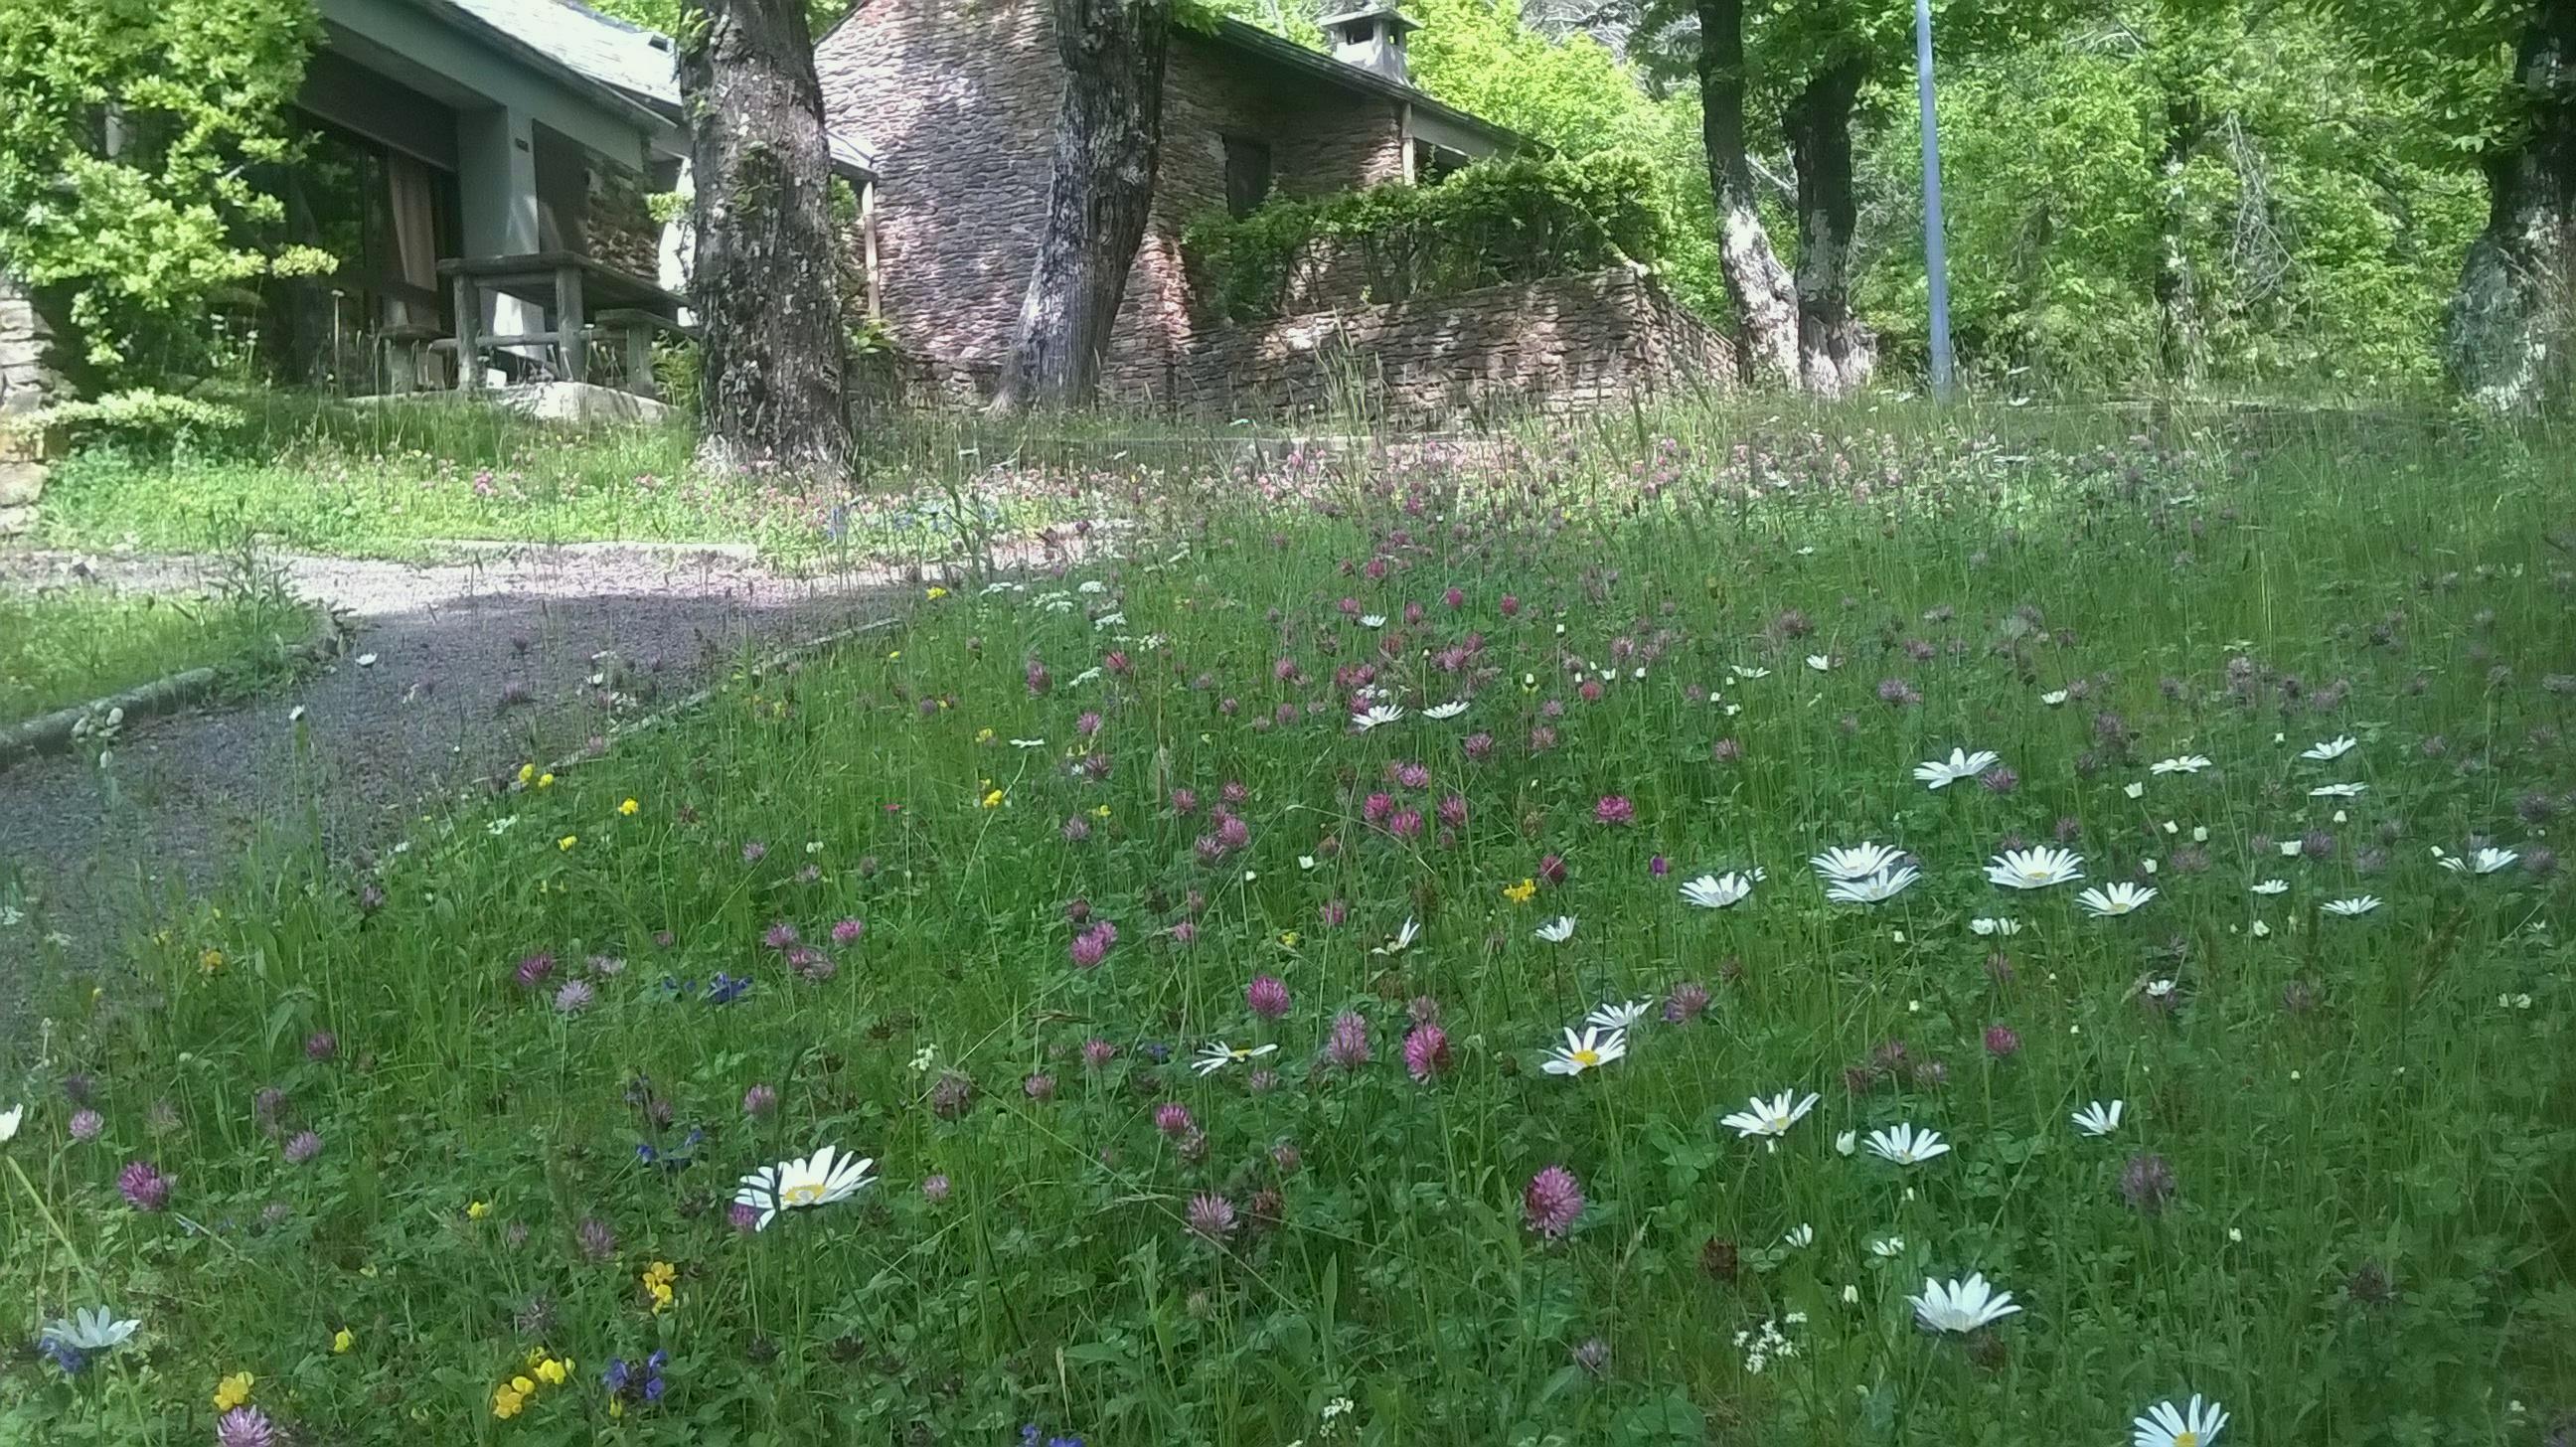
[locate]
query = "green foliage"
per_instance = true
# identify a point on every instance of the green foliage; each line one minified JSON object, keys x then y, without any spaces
{"x":2199,"y":196}
{"x":140,"y":421}
{"x":1571,"y":94}
{"x":1496,"y":221}
{"x":126,"y":141}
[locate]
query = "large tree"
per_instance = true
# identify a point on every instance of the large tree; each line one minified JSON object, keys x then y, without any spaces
{"x":1108,"y":147}
{"x":763,"y":285}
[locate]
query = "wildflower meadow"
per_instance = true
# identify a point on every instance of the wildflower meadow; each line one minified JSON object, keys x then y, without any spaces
{"x":1814,"y":934}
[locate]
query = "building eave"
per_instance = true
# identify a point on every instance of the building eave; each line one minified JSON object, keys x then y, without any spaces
{"x":647,"y":116}
{"x":1254,"y":41}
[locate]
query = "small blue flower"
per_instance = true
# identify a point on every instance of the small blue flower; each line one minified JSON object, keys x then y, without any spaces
{"x":724,"y":989}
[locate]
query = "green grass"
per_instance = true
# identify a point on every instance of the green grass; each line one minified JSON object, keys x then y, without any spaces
{"x":2337,"y":1202}
{"x":396,"y":480}
{"x":61,"y":648}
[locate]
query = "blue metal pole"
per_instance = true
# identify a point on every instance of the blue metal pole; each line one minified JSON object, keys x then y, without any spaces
{"x":1935,"y":258}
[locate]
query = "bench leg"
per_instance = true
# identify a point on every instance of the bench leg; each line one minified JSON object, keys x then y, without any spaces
{"x":639,"y":363}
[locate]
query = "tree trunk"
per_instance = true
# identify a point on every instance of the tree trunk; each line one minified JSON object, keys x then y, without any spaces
{"x":1766,"y":309}
{"x":1108,"y":145}
{"x":763,"y":283}
{"x":2178,"y":332}
{"x":2513,"y":306}
{"x":1836,"y":354}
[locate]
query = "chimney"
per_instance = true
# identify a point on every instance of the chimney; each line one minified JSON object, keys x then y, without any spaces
{"x":1372,"y":39}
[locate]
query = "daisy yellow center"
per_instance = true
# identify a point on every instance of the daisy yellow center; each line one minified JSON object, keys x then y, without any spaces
{"x":1585,"y":1058}
{"x":803,"y":1195}
{"x":2186,"y":1439}
{"x":2033,"y":871}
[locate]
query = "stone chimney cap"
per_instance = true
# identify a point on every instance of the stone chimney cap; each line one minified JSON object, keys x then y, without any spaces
{"x":1397,"y":21}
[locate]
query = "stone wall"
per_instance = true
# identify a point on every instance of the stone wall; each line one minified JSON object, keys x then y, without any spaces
{"x":27,"y":383}
{"x":1564,"y":345}
{"x":958,"y":100}
{"x":617,"y":221}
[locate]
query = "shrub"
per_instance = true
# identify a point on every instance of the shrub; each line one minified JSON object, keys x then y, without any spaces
{"x":1493,"y":222}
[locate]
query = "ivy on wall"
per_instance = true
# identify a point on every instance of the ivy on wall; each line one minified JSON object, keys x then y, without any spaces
{"x":1490,"y":223}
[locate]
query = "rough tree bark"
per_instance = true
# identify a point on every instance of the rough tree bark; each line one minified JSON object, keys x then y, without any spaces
{"x":2512,"y":310}
{"x":1108,"y":147}
{"x":1766,"y":307}
{"x":1836,"y":354}
{"x":762,"y":284}
{"x":2178,"y":335}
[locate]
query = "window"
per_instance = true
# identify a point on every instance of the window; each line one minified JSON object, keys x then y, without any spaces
{"x":1247,"y":175}
{"x":1433,"y":164}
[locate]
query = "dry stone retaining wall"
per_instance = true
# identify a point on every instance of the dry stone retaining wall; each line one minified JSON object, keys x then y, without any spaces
{"x":1559,"y":346}
{"x":27,"y":383}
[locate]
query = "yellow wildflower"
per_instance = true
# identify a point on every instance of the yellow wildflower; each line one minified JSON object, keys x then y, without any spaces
{"x":983,"y":736}
{"x":477,"y":1210}
{"x":993,"y":799}
{"x":506,"y":1401}
{"x":342,"y":1340}
{"x":567,"y":842}
{"x":553,"y":1370}
{"x":936,"y":593}
{"x":891,"y":657}
{"x":527,"y":772}
{"x":232,"y":1391}
{"x":1100,"y":813}
{"x":629,"y":808}
{"x":657,"y":1284}
{"x":545,"y":781}
{"x":1521,"y":893}
{"x":1289,"y":938}
{"x":209,"y":960}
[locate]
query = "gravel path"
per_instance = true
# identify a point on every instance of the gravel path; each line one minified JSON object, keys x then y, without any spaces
{"x":475,"y":666}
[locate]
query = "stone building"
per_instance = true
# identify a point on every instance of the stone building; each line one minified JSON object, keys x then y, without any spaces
{"x":956,"y":102}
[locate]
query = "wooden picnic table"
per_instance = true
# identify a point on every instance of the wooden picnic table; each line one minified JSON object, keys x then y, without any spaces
{"x":578,"y":288}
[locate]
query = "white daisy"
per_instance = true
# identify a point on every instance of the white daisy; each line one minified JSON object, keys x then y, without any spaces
{"x":91,"y":1329}
{"x":1771,"y":1117}
{"x":2054,"y":697}
{"x":1586,"y":1051}
{"x":1820,"y":662}
{"x":2135,"y":788}
{"x":1218,"y":1056}
{"x":1372,"y":620}
{"x":2485,"y":861}
{"x":2004,"y":927}
{"x":2184,"y":764}
{"x":2331,"y":749}
{"x":1846,"y":1142}
{"x":1907,"y":1146}
{"x":1887,"y":1246}
{"x":1941,"y":774}
{"x":1740,"y":671}
{"x":2273,"y":886}
{"x":1884,"y":885}
{"x":9,"y":1122}
{"x":1860,"y":861}
{"x":1376,"y":715}
{"x":2121,"y":898}
{"x":1028,"y":743}
{"x":1622,"y":1015}
{"x":1444,"y":711}
{"x":2338,"y":791}
{"x":1404,"y":938}
{"x":817,"y":1180}
{"x":1800,"y":1236}
{"x":1721,"y":891}
{"x":1961,"y":1306}
{"x":2164,"y":1425}
{"x":2035,"y":868}
{"x":1556,"y":931}
{"x":2099,"y":1118}
{"x":2356,"y":906}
